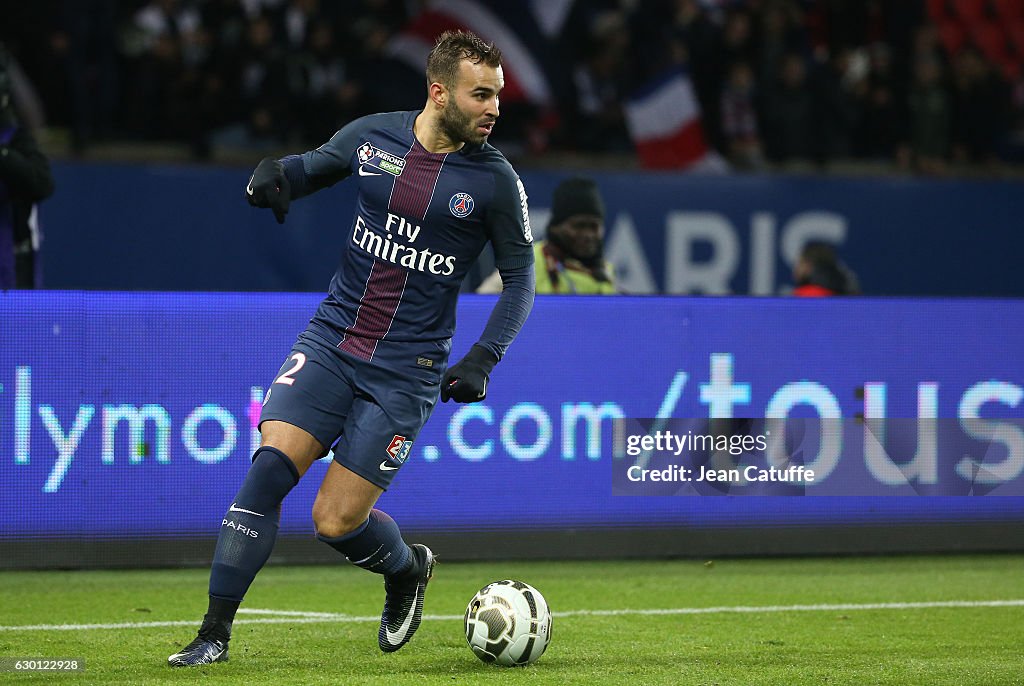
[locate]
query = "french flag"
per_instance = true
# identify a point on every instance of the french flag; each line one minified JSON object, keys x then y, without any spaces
{"x":663,"y":119}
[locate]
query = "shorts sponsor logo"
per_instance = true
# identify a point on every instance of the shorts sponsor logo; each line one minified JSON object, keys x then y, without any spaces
{"x":461,"y":204}
{"x":424,"y":362}
{"x":399,"y":449}
{"x":370,"y":155}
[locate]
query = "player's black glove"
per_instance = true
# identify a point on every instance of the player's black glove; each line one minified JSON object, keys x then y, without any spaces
{"x":466,"y":380}
{"x":269,"y":187}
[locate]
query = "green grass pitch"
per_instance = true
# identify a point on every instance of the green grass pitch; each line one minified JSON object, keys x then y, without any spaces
{"x":930,"y":620}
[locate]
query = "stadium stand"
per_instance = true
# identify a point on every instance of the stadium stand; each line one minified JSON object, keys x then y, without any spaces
{"x":209,"y":76}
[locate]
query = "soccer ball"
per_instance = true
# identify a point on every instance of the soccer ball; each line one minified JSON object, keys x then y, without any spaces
{"x":508,"y":623}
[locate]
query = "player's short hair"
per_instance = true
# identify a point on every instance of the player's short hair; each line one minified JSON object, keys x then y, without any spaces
{"x":451,"y":48}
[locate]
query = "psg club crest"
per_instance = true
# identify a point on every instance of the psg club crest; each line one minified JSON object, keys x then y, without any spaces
{"x":461,"y":204}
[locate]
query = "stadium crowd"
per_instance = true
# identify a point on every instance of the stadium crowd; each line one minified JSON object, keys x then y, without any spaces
{"x":923,"y":84}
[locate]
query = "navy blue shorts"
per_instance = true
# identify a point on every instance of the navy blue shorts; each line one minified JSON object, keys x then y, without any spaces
{"x":369,"y":414}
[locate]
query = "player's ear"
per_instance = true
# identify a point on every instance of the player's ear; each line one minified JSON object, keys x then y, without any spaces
{"x":438,"y":94}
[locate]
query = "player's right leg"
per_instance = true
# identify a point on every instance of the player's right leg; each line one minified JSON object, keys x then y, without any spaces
{"x":247,"y":535}
{"x":303,"y":413}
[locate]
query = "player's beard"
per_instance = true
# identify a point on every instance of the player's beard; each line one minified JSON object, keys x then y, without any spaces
{"x":458,"y":125}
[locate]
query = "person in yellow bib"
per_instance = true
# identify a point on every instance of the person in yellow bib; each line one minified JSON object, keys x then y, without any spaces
{"x":570,"y":261}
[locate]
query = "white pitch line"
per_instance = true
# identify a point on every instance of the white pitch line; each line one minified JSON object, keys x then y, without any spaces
{"x":298,"y":617}
{"x":287,"y":613}
{"x":190,"y":622}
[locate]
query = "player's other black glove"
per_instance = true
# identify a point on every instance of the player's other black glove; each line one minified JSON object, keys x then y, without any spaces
{"x":269,"y":187}
{"x":466,"y":381}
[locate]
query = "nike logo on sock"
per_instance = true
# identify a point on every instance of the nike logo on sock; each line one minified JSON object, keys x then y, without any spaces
{"x":235,"y":508}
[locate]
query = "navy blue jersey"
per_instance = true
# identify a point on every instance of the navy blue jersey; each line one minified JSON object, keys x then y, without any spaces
{"x":420,"y":223}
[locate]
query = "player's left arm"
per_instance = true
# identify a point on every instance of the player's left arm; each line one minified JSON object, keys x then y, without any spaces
{"x":508,"y":226}
{"x":275,"y":183}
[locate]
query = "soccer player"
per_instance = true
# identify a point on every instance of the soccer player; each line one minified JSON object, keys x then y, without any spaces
{"x":365,"y":374}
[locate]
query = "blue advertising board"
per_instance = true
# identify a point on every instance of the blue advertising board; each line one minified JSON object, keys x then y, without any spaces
{"x":134,"y":414}
{"x":141,"y":227}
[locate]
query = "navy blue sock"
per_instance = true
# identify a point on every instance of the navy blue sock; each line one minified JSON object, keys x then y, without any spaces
{"x":376,"y":546}
{"x":249,"y":528}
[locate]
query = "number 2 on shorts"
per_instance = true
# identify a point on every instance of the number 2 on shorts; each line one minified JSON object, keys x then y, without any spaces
{"x":286,"y":378}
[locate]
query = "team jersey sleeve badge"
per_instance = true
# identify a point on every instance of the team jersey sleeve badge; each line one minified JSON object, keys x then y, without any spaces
{"x":377,"y":158}
{"x":365,"y":153}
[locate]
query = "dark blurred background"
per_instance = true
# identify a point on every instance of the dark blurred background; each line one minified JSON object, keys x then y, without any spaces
{"x":931,"y":87}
